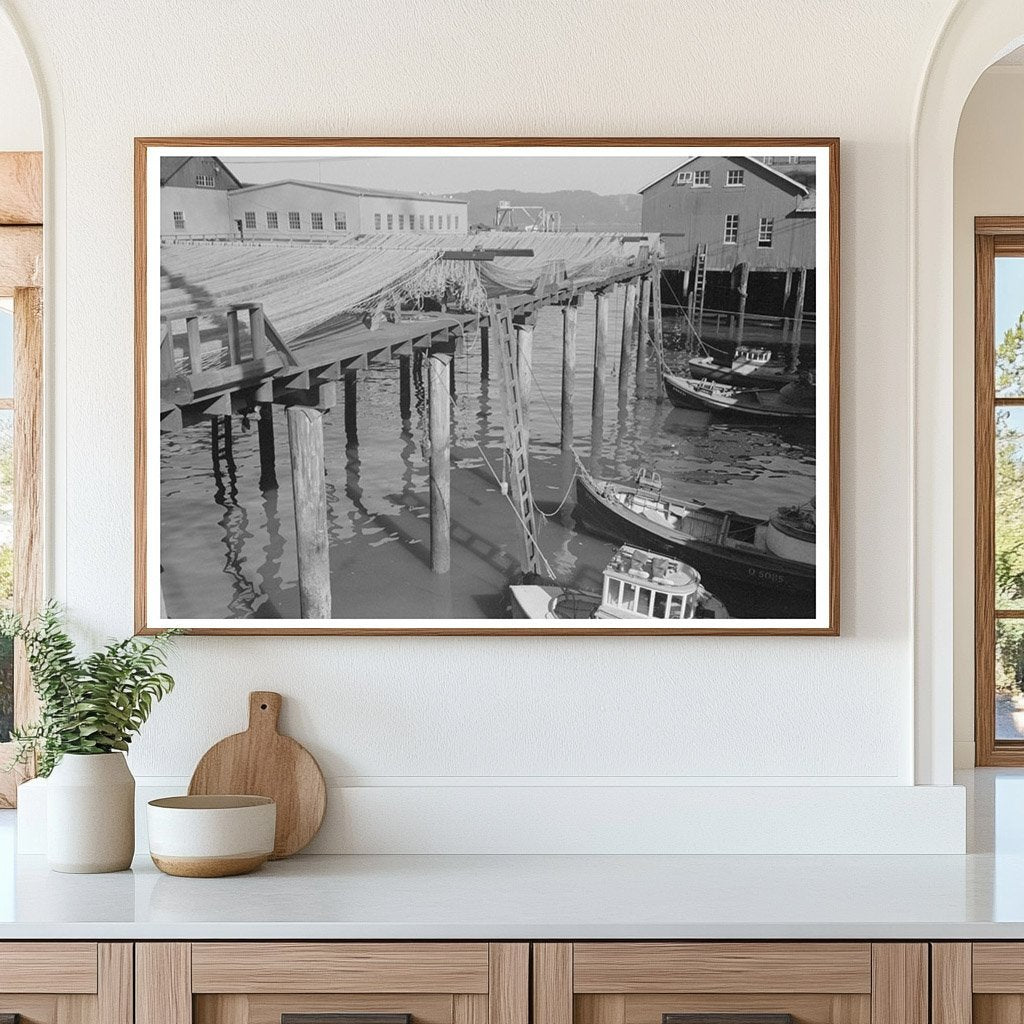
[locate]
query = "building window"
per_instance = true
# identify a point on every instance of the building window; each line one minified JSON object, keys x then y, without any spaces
{"x":294,"y":221}
{"x":732,"y":228}
{"x":391,"y":222}
{"x":999,"y":491}
{"x":401,"y":222}
{"x":376,"y":222}
{"x":339,"y":222}
{"x":271,"y":220}
{"x":684,"y":178}
{"x":205,"y":181}
{"x":456,"y":222}
{"x":734,"y":177}
{"x":765,"y":229}
{"x":421,"y":222}
{"x":316,"y":221}
{"x":250,"y":220}
{"x":449,"y":222}
{"x":702,"y":179}
{"x":431,"y":220}
{"x":179,"y":220}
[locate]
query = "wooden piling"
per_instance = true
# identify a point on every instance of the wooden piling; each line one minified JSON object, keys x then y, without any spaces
{"x":485,"y":351}
{"x":309,"y":492}
{"x":440,"y":462}
{"x":351,"y":411}
{"x":644,"y":332}
{"x":625,"y":349}
{"x":798,"y":320}
{"x":234,"y":347}
{"x":600,"y":352}
{"x":404,"y":386}
{"x":524,"y":350}
{"x":742,"y":312}
{"x":195,"y":354}
{"x":265,"y":429}
{"x":258,"y":332}
{"x":570,"y":318}
{"x":657,"y":332}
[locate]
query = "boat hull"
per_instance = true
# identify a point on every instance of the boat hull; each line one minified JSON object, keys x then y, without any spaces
{"x":751,"y":585}
{"x":752,"y":405}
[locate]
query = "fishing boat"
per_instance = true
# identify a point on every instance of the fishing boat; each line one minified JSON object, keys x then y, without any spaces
{"x":638,"y":585}
{"x":759,"y":567}
{"x":750,"y":367}
{"x":795,"y":401}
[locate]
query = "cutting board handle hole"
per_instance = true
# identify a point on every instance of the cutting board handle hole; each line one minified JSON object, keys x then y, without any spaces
{"x":263,"y":707}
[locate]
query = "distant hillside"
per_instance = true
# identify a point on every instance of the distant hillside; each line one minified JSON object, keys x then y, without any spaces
{"x":580,"y":210}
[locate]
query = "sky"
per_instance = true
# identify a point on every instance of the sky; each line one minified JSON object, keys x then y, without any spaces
{"x":440,"y":175}
{"x":1009,"y":293}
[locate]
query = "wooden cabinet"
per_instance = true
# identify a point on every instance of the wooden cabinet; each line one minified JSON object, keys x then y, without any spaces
{"x":978,"y":983}
{"x":753,"y":982}
{"x":263,"y":982}
{"x":66,"y":982}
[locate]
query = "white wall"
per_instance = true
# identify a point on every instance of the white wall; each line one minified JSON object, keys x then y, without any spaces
{"x":21,"y":126}
{"x":443,"y":714}
{"x":987,"y":181}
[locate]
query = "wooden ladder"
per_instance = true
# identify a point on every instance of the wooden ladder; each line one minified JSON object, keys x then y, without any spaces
{"x":516,"y":435}
{"x":700,"y":280}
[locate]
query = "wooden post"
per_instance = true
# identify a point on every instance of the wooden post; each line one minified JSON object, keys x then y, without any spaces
{"x":309,"y":492}
{"x":440,"y":463}
{"x":234,"y":350}
{"x":351,"y":412}
{"x":600,"y":352}
{"x":268,"y":468}
{"x":600,"y":372}
{"x":167,"y":367}
{"x":570,"y":317}
{"x":741,"y":318}
{"x":195,"y":354}
{"x":641,"y":345}
{"x":628,"y":316}
{"x":485,"y":351}
{"x":524,"y":349}
{"x":657,"y":332}
{"x":451,"y":379}
{"x":404,"y":386}
{"x":798,"y":320}
{"x":691,"y":322}
{"x":258,"y":332}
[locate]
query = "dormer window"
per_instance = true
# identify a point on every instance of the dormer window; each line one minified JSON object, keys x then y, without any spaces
{"x":684,"y":178}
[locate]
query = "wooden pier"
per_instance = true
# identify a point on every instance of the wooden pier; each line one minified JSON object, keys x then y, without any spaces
{"x":257,"y":370}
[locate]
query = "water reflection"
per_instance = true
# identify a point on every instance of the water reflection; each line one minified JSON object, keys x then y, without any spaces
{"x":228,"y":544}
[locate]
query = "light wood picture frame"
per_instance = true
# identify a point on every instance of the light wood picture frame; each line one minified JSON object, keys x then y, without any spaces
{"x":547,"y":366}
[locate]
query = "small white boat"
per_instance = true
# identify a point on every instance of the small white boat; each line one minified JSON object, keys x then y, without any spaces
{"x":751,"y":367}
{"x":638,"y":584}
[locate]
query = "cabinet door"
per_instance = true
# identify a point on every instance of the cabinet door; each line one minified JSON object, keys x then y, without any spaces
{"x":981,"y":982}
{"x":66,"y":982}
{"x":730,"y":983}
{"x":332,"y":983}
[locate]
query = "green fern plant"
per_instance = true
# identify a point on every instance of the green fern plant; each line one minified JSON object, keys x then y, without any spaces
{"x":90,"y":705}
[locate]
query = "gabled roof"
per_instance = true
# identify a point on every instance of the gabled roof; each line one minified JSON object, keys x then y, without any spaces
{"x":164,"y":178}
{"x":748,"y":160}
{"x":350,"y":190}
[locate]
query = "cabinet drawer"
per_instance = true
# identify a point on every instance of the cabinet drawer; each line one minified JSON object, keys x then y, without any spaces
{"x":66,"y":982}
{"x":332,"y":983}
{"x":65,"y":967}
{"x":730,"y":983}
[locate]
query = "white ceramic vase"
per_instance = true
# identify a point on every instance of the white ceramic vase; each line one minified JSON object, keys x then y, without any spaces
{"x":90,"y":814}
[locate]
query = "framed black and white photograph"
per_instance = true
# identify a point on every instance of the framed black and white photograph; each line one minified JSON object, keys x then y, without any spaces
{"x":487,"y":386}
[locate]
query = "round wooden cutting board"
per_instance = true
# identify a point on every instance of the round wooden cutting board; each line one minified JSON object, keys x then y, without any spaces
{"x":262,"y":762}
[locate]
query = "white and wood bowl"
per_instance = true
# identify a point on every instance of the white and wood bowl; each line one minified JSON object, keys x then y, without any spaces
{"x":211,"y":836}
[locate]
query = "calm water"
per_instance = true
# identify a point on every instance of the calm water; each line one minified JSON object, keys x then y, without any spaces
{"x":228,"y":549}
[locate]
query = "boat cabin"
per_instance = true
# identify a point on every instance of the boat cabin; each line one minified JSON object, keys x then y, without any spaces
{"x":761,"y":356}
{"x":642,"y":585}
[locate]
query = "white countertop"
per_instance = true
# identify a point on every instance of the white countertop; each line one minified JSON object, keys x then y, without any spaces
{"x":496,"y":897}
{"x":977,"y":896}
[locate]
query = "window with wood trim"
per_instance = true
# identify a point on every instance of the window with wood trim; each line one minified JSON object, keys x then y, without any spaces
{"x":999,"y":490}
{"x":765,"y":232}
{"x":250,"y":220}
{"x":21,"y":364}
{"x":734,"y":178}
{"x":702,"y":179}
{"x":179,"y":220}
{"x":271,"y":220}
{"x":316,"y":221}
{"x":294,"y":221}
{"x":732,"y":228}
{"x":339,"y":221}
